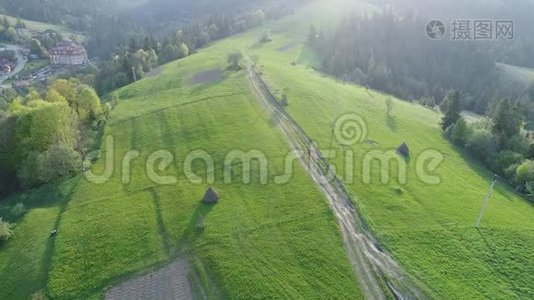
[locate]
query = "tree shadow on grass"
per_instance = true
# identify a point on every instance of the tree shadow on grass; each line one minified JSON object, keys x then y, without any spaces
{"x":159,"y":218}
{"x":202,"y":81}
{"x":505,"y":189}
{"x":195,"y":227}
{"x":391,"y":122}
{"x":64,"y":197}
{"x":258,"y":45}
{"x":47,"y":196}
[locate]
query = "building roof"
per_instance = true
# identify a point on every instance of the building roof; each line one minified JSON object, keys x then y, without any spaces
{"x":70,"y":49}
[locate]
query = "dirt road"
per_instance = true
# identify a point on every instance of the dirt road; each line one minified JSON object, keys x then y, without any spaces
{"x":379,"y":275}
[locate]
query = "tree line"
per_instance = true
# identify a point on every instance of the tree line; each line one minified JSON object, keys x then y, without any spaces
{"x":8,"y":31}
{"x":144,"y":52}
{"x":498,"y":140}
{"x":132,"y":41}
{"x":44,"y":136}
{"x":57,"y":124}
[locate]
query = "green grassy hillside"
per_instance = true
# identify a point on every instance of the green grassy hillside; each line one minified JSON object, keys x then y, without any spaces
{"x":40,"y":26}
{"x":261,"y":241}
{"x":429,"y":229}
{"x":516,"y":75}
{"x":268,"y":241}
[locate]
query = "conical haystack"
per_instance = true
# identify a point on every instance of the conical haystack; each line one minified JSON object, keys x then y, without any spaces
{"x":404,"y":150}
{"x":211,"y":196}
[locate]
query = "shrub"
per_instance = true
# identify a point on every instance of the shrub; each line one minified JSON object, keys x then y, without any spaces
{"x":5,"y":230}
{"x":60,"y":162}
{"x":29,"y":170}
{"x":39,"y":295}
{"x":482,"y":143}
{"x":502,"y":161}
{"x":525,"y":172}
{"x":57,"y":162}
{"x":17,"y":211}
{"x":266,"y":37}
{"x":235,"y":61}
{"x":518,"y":143}
{"x":460,"y":132}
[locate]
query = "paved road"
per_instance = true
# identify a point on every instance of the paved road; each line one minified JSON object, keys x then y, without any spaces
{"x":379,"y":275}
{"x":21,"y":62}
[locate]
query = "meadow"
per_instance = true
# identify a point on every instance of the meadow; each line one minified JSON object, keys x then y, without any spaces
{"x":268,"y":241}
{"x":261,"y":240}
{"x":41,"y":26}
{"x":428,"y":228}
{"x":516,"y":75}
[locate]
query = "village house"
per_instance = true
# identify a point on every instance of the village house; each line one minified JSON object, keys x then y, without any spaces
{"x":7,"y":65}
{"x":71,"y":54}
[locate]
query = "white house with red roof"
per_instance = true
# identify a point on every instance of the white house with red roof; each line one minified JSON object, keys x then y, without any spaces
{"x":71,"y":54}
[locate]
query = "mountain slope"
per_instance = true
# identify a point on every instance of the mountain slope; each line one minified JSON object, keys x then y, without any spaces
{"x":261,"y":240}
{"x":269,"y":241}
{"x":428,"y":228}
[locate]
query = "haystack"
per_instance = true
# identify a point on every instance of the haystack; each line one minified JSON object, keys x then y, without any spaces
{"x":211,"y":196}
{"x":404,"y":150}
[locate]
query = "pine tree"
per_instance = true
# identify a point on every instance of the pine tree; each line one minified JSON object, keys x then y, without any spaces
{"x":452,"y":108}
{"x":506,"y":121}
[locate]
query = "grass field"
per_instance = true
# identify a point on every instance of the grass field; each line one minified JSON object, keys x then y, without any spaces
{"x":40,"y":26}
{"x":268,"y":241}
{"x":429,"y":229}
{"x":515,"y":74}
{"x":263,"y":241}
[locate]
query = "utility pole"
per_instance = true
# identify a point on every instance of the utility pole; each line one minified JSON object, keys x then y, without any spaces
{"x":486,"y":200}
{"x":134,"y":75}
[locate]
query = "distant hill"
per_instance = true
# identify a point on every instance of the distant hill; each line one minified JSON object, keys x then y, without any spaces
{"x":41,"y":26}
{"x":515,"y":74}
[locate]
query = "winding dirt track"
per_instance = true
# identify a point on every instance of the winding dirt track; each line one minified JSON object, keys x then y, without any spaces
{"x":378,"y":274}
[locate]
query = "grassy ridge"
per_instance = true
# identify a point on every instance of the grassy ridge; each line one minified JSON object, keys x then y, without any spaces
{"x":25,"y":260}
{"x":515,"y":74}
{"x":268,"y":241}
{"x":40,"y":26}
{"x":430,"y":229}
{"x":260,"y":241}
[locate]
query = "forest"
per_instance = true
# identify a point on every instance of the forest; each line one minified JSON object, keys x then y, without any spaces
{"x":393,"y":54}
{"x":45,"y":136}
